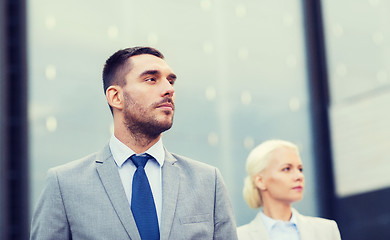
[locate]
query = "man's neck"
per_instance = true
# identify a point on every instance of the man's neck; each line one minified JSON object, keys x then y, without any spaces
{"x":138,"y":144}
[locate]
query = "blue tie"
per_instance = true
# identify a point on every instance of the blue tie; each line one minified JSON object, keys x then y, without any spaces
{"x":142,"y":202}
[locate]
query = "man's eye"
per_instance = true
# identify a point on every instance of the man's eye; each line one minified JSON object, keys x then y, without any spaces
{"x":285,"y":169}
{"x":150,"y":80}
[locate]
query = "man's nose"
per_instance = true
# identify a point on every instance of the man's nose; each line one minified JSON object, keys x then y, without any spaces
{"x":168,"y":89}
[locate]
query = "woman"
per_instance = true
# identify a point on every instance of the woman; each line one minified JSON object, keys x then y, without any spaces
{"x":275,"y":180}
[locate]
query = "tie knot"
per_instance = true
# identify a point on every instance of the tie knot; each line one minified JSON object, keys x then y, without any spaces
{"x":140,"y":160}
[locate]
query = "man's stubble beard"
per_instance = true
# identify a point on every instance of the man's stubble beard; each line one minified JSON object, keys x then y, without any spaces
{"x":142,"y":125}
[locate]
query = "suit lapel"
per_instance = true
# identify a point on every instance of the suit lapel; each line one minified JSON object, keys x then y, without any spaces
{"x":111,"y":181}
{"x":304,"y":232}
{"x":170,"y":190}
{"x":258,"y":230}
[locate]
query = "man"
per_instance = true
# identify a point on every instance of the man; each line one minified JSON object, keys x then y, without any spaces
{"x":111,"y":195}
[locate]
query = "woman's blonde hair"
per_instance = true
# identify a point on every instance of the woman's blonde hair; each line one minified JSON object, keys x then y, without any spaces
{"x":256,"y":162}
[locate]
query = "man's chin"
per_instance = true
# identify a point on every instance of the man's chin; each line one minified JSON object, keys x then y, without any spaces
{"x":162,"y":126}
{"x":166,"y":122}
{"x":166,"y":127}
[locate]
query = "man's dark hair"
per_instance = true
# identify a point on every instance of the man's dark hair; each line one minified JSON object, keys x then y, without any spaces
{"x":113,"y":71}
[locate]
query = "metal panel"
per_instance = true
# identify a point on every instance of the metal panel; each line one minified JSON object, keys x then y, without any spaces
{"x":14,"y":162}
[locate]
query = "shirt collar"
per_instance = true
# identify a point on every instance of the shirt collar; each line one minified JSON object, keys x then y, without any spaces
{"x":270,"y":222}
{"x":121,"y":152}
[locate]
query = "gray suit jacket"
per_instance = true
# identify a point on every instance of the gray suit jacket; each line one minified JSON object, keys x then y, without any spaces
{"x":309,"y":228}
{"x":85,"y":200}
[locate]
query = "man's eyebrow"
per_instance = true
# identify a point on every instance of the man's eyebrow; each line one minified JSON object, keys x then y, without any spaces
{"x":149,"y":72}
{"x":172,"y":76}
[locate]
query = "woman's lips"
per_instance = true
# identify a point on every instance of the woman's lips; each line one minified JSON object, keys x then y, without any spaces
{"x":298,"y":188}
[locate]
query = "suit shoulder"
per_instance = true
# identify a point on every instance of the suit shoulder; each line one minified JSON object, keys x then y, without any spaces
{"x":323,"y":227}
{"x":318,"y":222}
{"x":75,"y":165}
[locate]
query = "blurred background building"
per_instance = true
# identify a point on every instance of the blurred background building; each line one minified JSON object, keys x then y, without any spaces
{"x":312,"y":72}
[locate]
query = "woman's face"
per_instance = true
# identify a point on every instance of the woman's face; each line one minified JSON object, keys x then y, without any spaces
{"x":283,"y":179}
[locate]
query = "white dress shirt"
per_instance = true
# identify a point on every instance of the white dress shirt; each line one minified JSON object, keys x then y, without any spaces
{"x":281,"y":230}
{"x":121,"y":154}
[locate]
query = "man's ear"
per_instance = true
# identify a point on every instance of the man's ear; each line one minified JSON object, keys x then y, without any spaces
{"x":259,"y":182}
{"x":115,"y":97}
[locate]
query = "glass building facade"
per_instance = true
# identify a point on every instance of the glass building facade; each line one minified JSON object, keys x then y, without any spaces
{"x":241,"y":80}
